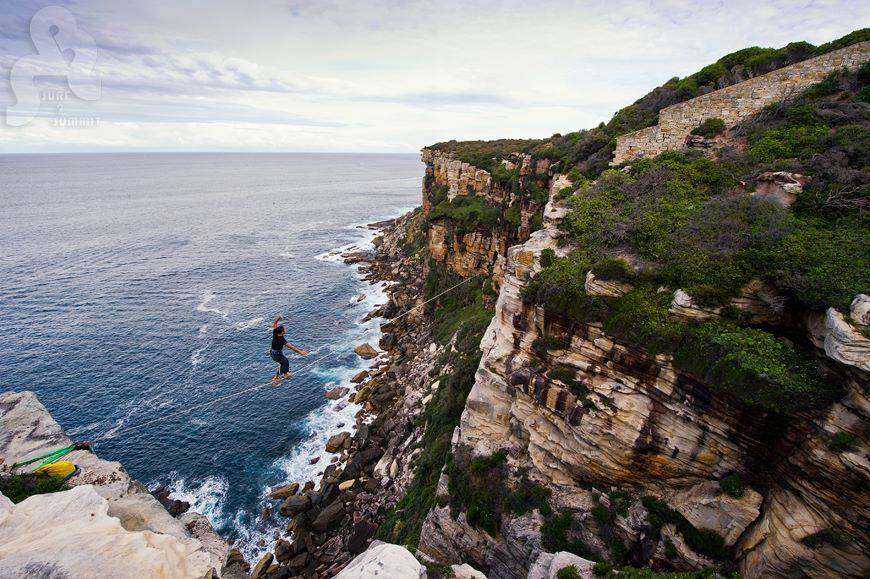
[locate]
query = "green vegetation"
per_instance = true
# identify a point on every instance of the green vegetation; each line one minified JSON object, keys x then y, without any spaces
{"x":460,"y":313}
{"x":710,"y":128}
{"x":589,"y":151}
{"x":478,"y":487}
{"x":613,"y":269}
{"x":548,"y":257}
{"x":732,"y":486}
{"x":602,"y":569}
{"x":843,"y":442}
{"x":558,"y":533}
{"x":703,"y":541}
{"x":569,"y":572}
{"x":414,"y":241}
{"x":568,"y":377}
{"x":467,"y":213}
{"x":543,"y":344}
{"x":833,"y":537}
{"x":754,"y":366}
{"x":20,"y":486}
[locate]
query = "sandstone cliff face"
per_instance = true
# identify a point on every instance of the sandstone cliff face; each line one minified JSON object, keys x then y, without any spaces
{"x":479,"y":252}
{"x":107,"y":524}
{"x":646,"y":427}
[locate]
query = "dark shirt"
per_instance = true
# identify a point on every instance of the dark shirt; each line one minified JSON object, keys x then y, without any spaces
{"x":278,"y":342}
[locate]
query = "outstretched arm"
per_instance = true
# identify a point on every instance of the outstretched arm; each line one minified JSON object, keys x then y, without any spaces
{"x":278,"y":319}
{"x":299,"y":351}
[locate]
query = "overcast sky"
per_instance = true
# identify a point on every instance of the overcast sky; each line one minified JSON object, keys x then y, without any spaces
{"x":369,"y":76}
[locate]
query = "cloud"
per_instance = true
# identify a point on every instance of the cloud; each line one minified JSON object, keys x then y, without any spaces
{"x":385,"y":75}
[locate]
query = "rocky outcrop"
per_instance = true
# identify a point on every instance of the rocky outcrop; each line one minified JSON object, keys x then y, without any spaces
{"x":548,"y":565}
{"x":638,"y":423}
{"x":105,"y":514}
{"x":383,"y":560}
{"x":734,"y":103}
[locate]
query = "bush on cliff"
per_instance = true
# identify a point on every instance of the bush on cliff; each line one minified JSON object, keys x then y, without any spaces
{"x":467,"y":213}
{"x":710,"y":128}
{"x":703,"y":541}
{"x":20,"y":486}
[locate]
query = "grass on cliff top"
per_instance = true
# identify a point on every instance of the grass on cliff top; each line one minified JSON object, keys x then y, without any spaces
{"x":20,"y":486}
{"x":591,"y":150}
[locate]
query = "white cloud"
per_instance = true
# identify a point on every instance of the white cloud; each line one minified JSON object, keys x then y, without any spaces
{"x":388,"y":75}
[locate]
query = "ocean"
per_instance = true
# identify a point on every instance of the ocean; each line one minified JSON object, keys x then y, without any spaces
{"x":134,"y":287}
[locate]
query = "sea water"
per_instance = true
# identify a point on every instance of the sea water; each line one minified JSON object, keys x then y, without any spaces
{"x":137,"y":290}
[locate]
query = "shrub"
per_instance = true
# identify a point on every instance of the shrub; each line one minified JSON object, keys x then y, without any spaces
{"x":732,"y":486}
{"x":567,"y":376}
{"x":467,"y":213}
{"x":613,"y":269}
{"x":602,"y":569}
{"x":703,"y":541}
{"x":569,"y":572}
{"x":548,"y":257}
{"x":710,"y":128}
{"x":755,"y":367}
{"x":843,"y":442}
{"x":641,"y":317}
{"x":20,"y":486}
{"x":787,"y":142}
{"x":829,"y":536}
{"x":557,"y":534}
{"x":543,"y":344}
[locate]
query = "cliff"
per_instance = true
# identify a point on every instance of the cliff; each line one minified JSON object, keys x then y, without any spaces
{"x":105,"y":523}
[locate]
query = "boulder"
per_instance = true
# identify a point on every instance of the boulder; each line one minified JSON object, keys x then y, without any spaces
{"x":707,"y":507}
{"x":382,"y":560}
{"x":599,"y":287}
{"x":387,"y":341}
{"x":261,"y":568}
{"x":841,"y":340}
{"x":71,"y":534}
{"x":859,"y":311}
{"x":466,"y":571}
{"x":359,"y":538}
{"x":365,"y":351}
{"x":343,"y":486}
{"x":328,"y":518}
{"x":335,"y":442}
{"x":336,"y":393}
{"x":780,"y":186}
{"x":283,"y":492}
{"x":358,"y":378}
{"x":294,"y":505}
{"x":548,"y":565}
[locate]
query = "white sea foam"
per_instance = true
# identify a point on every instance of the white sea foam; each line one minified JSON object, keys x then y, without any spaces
{"x":203,"y":306}
{"x":196,"y":357}
{"x":248,"y":324}
{"x":255,"y":539}
{"x":206,"y":497}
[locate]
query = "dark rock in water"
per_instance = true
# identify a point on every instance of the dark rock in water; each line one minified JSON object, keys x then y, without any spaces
{"x":365,"y":351}
{"x":265,"y":514}
{"x":336,"y":393}
{"x":387,"y":341}
{"x":335,"y":442}
{"x":359,"y":538}
{"x":285,"y":491}
{"x":295,"y":504}
{"x":175,"y":507}
{"x":314,"y":460}
{"x":328,"y":518}
{"x":309,"y":485}
{"x":360,"y":377}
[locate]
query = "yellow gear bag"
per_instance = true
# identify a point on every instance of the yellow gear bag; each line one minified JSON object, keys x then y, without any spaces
{"x":60,"y":469}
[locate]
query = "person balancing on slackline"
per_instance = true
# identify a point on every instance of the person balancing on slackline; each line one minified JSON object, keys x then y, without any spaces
{"x":279,"y":342}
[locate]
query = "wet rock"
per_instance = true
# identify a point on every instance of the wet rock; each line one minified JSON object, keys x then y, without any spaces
{"x":262,"y":567}
{"x":285,"y":491}
{"x":295,"y":504}
{"x":265,"y":514}
{"x":360,"y":377}
{"x":336,"y":393}
{"x":328,"y":518}
{"x":335,"y":443}
{"x":283,"y":551}
{"x":365,"y":351}
{"x":314,"y":460}
{"x":175,"y":507}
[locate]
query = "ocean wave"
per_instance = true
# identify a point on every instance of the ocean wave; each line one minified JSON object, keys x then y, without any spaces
{"x":203,"y":306}
{"x":248,"y":324}
{"x":206,"y":497}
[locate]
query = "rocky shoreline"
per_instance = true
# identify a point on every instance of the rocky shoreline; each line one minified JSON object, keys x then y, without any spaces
{"x":334,"y":521}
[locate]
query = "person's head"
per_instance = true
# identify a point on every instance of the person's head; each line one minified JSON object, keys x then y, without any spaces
{"x":279,"y":331}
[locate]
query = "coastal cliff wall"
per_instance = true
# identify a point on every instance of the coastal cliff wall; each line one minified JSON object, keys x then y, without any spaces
{"x":449,"y":189}
{"x":734,"y":103}
{"x":106,"y":524}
